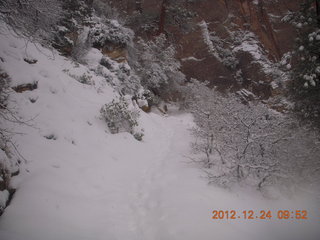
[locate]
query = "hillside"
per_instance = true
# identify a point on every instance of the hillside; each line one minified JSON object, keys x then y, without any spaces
{"x":106,"y":132}
{"x":84,"y":183}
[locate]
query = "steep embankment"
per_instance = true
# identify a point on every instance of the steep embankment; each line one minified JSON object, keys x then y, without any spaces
{"x":81,"y":182}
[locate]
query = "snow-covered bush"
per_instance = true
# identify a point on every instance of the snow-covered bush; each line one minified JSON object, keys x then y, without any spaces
{"x":249,"y":143}
{"x":150,"y":97}
{"x":4,"y":86}
{"x":129,"y":81}
{"x":158,"y":68}
{"x":119,"y":117}
{"x":5,"y":177}
{"x":69,"y":37}
{"x":119,"y":75}
{"x":8,"y":162}
{"x":109,"y":32}
{"x":85,"y":78}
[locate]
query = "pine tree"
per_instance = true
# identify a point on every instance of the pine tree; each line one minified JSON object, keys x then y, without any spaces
{"x":75,"y":14}
{"x":305,"y":87}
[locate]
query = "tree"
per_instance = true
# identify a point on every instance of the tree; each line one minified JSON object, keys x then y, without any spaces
{"x":157,"y":66}
{"x":170,"y":14}
{"x":218,"y":47}
{"x":250,"y":143}
{"x":305,"y":87}
{"x":173,"y":13}
{"x":68,"y":37}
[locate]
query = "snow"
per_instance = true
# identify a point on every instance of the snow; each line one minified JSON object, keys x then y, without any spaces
{"x":251,"y":45}
{"x":274,"y":85}
{"x":142,"y":102}
{"x":4,"y":196}
{"x":90,"y":184}
{"x":191,"y":59}
{"x":206,"y":37}
{"x":288,"y":66}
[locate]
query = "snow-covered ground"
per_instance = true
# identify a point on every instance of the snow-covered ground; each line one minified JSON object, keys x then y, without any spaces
{"x":86,"y":183}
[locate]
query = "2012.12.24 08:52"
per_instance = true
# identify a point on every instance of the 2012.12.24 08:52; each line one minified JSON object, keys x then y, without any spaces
{"x":262,"y":214}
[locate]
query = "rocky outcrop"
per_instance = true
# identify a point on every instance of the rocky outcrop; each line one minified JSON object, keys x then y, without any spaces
{"x":179,"y":20}
{"x":25,"y":87}
{"x":117,"y":53}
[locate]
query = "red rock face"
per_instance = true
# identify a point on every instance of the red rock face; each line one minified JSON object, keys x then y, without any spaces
{"x":263,"y":18}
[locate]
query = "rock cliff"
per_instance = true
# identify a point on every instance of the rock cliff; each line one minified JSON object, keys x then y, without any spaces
{"x":248,"y":32}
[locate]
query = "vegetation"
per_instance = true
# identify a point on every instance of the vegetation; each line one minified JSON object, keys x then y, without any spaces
{"x":249,"y":143}
{"x":305,"y":89}
{"x":9,"y":163}
{"x":119,"y":117}
{"x":34,"y":19}
{"x":158,"y":67}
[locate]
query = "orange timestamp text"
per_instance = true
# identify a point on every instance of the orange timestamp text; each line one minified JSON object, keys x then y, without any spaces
{"x":262,"y":214}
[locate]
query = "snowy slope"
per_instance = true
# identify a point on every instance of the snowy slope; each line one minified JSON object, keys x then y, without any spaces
{"x":89,"y":184}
